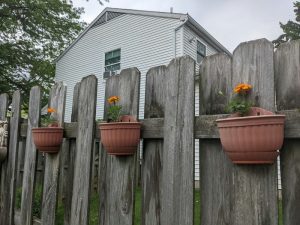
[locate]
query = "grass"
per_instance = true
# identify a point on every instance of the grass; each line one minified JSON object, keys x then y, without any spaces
{"x":94,"y":207}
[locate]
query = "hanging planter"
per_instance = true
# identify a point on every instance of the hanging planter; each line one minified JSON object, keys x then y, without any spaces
{"x":48,"y":139}
{"x":252,"y":139}
{"x":251,"y":135}
{"x":120,"y":138}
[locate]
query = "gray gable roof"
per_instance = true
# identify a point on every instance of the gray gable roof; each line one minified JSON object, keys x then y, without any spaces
{"x":111,"y":13}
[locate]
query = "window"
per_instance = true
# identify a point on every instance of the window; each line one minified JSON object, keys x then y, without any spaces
{"x":201,"y":51}
{"x":113,"y":60}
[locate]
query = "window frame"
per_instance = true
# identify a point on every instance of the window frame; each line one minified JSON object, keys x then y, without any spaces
{"x":112,"y":64}
{"x":200,"y":53}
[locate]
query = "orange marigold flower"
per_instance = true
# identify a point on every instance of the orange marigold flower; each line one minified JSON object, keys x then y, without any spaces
{"x":113,"y":99}
{"x":51,"y":110}
{"x":242,"y":88}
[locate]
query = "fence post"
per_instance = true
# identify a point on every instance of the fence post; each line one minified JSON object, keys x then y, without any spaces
{"x":30,"y":157}
{"x":178,"y":150}
{"x":287,"y":73}
{"x":168,"y":165}
{"x":255,"y":185}
{"x":153,"y":149}
{"x":246,"y":185}
{"x":57,"y":101}
{"x":117,"y":174}
{"x":3,"y":111}
{"x":11,"y":169}
{"x":215,"y":168}
{"x":84,"y":144}
{"x":72,"y":151}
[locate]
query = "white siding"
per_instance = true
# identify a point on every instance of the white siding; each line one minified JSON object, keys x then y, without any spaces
{"x":145,"y":42}
{"x":190,"y":44}
{"x":179,"y":42}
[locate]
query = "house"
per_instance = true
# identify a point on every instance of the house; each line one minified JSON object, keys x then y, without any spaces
{"x":124,"y":38}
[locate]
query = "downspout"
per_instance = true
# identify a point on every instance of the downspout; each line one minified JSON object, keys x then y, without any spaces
{"x":175,"y":30}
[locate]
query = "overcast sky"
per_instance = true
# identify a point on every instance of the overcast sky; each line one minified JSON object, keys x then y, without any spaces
{"x":229,"y":21}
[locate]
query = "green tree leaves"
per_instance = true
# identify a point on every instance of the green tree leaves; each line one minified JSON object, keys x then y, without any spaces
{"x":291,"y":29}
{"x":32,"y":34}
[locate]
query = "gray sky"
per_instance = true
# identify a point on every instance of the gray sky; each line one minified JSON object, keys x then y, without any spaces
{"x":229,"y":21}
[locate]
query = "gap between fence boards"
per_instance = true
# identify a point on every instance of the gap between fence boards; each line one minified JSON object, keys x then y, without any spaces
{"x":205,"y":127}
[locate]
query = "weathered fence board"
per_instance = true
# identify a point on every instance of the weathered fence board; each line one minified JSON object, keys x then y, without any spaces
{"x":215,"y":167}
{"x":30,"y":157}
{"x":57,"y":101}
{"x":12,"y":159}
{"x":84,"y":143}
{"x":153,"y":149}
{"x":72,"y":151}
{"x":3,"y":111}
{"x":178,"y":150}
{"x":287,"y":76}
{"x":205,"y":126}
{"x":117,"y":174}
{"x":21,"y":156}
{"x":255,"y":185}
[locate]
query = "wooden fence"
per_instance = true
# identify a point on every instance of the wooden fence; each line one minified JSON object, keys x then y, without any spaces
{"x":230,"y":194}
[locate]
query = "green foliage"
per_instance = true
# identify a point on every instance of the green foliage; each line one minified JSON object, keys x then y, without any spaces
{"x":47,"y":119}
{"x":291,"y":30}
{"x":239,"y":105}
{"x":114,"y":112}
{"x":32,"y":34}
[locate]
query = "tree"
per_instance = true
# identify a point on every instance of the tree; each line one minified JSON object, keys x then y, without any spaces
{"x":32,"y":34}
{"x":291,"y":29}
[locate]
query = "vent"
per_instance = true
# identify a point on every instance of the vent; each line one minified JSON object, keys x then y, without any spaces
{"x":106,"y":17}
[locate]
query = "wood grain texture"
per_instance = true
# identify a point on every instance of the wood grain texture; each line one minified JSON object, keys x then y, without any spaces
{"x":153,"y":148}
{"x":215,"y":68}
{"x":50,"y":190}
{"x":84,"y":144}
{"x":178,"y":150}
{"x":11,"y":168}
{"x":215,"y":168}
{"x":3,"y":165}
{"x":254,"y":188}
{"x":253,"y":64}
{"x":117,"y":174}
{"x":30,"y":157}
{"x":71,"y":157}
{"x":287,"y":75}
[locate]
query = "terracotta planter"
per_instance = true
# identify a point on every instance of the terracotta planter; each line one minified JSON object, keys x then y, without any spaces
{"x":253,"y":139}
{"x":120,"y":138}
{"x":48,"y":139}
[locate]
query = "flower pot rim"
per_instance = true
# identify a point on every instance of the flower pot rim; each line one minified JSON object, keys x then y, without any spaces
{"x":250,"y":118}
{"x":47,"y":128}
{"x":118,"y":123}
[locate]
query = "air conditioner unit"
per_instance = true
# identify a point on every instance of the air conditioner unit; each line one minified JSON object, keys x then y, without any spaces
{"x":108,"y":74}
